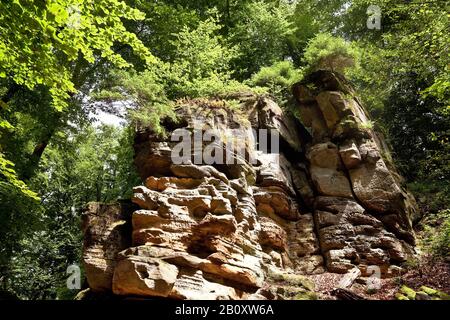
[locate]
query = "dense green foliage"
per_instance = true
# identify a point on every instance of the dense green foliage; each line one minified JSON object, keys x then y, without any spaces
{"x":81,"y":165}
{"x":261,"y":32}
{"x":41,"y":39}
{"x":436,"y":234}
{"x":277,"y":79}
{"x":62,"y":62}
{"x":327,"y":52}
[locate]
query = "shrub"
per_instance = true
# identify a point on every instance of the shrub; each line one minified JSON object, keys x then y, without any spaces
{"x":330,"y":53}
{"x":261,"y":32}
{"x":201,"y":66}
{"x":277,"y":79}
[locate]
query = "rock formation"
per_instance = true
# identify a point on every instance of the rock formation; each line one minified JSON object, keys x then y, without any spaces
{"x":250,"y":225}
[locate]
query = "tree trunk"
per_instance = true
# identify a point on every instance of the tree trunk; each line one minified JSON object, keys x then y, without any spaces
{"x":36,"y":155}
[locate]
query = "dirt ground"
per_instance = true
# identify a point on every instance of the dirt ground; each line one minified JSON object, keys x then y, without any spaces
{"x":427,"y":272}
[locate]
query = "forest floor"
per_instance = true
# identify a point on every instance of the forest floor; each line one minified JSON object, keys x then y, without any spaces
{"x":428,"y":272}
{"x":424,"y":270}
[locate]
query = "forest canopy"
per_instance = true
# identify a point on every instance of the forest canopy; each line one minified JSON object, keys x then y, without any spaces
{"x":65,"y":64}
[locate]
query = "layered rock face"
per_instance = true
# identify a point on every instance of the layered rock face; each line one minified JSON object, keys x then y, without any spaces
{"x":363,"y":215}
{"x":214,"y":222}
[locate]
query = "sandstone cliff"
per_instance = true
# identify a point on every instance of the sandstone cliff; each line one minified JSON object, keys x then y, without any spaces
{"x":329,"y":200}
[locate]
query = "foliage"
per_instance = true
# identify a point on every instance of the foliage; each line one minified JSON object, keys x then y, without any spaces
{"x":31,"y":121}
{"x":441,"y":244}
{"x":90,"y":161}
{"x":414,"y":37}
{"x":329,"y":53}
{"x":9,"y":179}
{"x":201,"y":66}
{"x":431,"y":195}
{"x":39,"y":271}
{"x":277,"y":79}
{"x":164,"y":20}
{"x":143,"y":92}
{"x":424,"y":155}
{"x":43,"y":43}
{"x":80,"y":166}
{"x":42,"y":38}
{"x":19,"y":216}
{"x":420,"y":37}
{"x":310,"y":18}
{"x":373,"y":83}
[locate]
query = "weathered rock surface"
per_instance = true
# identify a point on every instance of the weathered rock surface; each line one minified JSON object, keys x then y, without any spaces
{"x":247,"y":228}
{"x":107,"y":231}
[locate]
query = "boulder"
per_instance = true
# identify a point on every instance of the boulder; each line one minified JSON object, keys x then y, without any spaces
{"x":144,"y":276}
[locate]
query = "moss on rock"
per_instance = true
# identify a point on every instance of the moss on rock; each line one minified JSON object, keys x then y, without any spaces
{"x":410,"y":293}
{"x":400,"y":296}
{"x":424,"y":293}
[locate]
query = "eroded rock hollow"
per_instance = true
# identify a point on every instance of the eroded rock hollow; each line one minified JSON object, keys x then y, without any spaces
{"x":328,"y":200}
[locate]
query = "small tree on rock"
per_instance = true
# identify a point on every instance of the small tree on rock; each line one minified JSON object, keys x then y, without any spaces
{"x":329,"y":53}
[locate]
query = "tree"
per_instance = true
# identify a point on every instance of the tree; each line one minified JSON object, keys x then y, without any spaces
{"x":416,"y":36}
{"x":200,"y":67}
{"x":81,"y":164}
{"x":330,"y":53}
{"x":41,"y":40}
{"x":47,"y":44}
{"x":261,"y":32}
{"x":163,"y":21}
{"x":310,"y":18}
{"x":202,"y":64}
{"x":61,"y":60}
{"x":142,"y":93}
{"x":277,"y":79}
